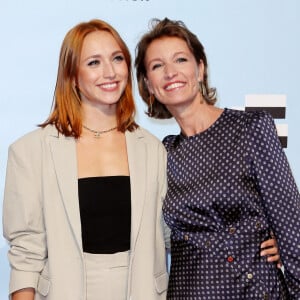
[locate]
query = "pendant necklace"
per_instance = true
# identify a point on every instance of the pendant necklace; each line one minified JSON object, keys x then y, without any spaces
{"x":97,"y":133}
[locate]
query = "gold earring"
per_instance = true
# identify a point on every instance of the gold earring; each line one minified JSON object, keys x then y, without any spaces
{"x":151,"y":100}
{"x":202,"y":89}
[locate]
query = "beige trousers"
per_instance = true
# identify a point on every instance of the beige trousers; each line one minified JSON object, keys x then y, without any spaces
{"x":106,"y":275}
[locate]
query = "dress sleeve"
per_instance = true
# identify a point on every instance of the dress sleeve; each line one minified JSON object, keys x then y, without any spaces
{"x":279,"y":196}
{"x":23,"y":224}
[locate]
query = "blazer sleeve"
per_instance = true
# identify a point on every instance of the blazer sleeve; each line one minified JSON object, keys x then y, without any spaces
{"x":23,"y":225}
{"x":279,"y":196}
{"x":163,"y":191}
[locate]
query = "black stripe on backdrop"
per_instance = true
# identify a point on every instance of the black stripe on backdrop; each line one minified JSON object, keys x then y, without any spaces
{"x":274,"y":105}
{"x":276,"y":112}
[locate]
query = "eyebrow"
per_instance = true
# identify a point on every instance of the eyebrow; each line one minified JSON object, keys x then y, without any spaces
{"x":179,"y":52}
{"x":159,"y":59}
{"x":99,"y":55}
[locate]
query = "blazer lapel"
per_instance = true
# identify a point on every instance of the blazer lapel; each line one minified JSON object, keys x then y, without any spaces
{"x":137,"y":158}
{"x":65,"y":163}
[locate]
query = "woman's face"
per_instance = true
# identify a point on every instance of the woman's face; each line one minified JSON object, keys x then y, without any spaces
{"x":173,"y":74}
{"x":103,"y":72}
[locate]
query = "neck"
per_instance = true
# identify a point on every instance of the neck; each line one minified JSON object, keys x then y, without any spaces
{"x":197,"y":119}
{"x":97,"y":119}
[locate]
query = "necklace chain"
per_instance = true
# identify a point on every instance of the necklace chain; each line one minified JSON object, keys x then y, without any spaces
{"x":97,"y":133}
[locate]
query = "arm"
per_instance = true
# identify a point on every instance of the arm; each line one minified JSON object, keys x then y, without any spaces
{"x":23,"y":224}
{"x":163,"y":191}
{"x":280,"y":197}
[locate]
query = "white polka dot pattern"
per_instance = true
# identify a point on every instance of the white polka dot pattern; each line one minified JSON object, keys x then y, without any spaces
{"x":228,"y":188}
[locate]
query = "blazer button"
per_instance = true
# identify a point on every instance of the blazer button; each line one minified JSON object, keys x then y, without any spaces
{"x":186,"y":237}
{"x":230,"y":259}
{"x":249,"y":276}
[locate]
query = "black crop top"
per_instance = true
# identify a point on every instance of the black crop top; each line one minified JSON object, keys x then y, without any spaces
{"x":105,"y":212}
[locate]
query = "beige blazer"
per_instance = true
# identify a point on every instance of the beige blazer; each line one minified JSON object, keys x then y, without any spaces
{"x":41,"y":218}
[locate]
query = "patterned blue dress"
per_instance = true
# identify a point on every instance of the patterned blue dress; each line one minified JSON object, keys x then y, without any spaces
{"x":228,"y":188}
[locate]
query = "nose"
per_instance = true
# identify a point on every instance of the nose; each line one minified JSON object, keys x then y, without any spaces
{"x":109,"y":70}
{"x":170,"y":71}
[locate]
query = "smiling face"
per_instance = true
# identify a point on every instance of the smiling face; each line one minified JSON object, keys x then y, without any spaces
{"x":173,"y":74}
{"x":103,"y":72}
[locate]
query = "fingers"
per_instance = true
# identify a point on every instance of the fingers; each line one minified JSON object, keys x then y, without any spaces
{"x":271,"y":251}
{"x":268,"y":243}
{"x":273,"y":258}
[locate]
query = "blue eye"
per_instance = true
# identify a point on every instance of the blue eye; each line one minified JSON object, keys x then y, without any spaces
{"x":119,"y":58}
{"x":94,"y":62}
{"x":181,"y":59}
{"x":156,"y":66}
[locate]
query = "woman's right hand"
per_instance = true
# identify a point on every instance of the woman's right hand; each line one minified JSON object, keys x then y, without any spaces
{"x":24,"y":294}
{"x":270,"y":249}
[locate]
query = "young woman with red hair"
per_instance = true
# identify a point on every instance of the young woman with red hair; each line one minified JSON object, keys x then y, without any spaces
{"x":83,"y":195}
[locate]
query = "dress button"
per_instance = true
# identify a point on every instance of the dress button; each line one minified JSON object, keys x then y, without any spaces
{"x":186,"y":237}
{"x":266,"y":296}
{"x":230,"y":259}
{"x":257,"y":224}
{"x":232,"y":230}
{"x":207,"y":244}
{"x":249,"y":276}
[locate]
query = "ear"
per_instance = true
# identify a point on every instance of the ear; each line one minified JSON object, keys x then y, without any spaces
{"x":149,"y":86}
{"x":200,"y":70}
